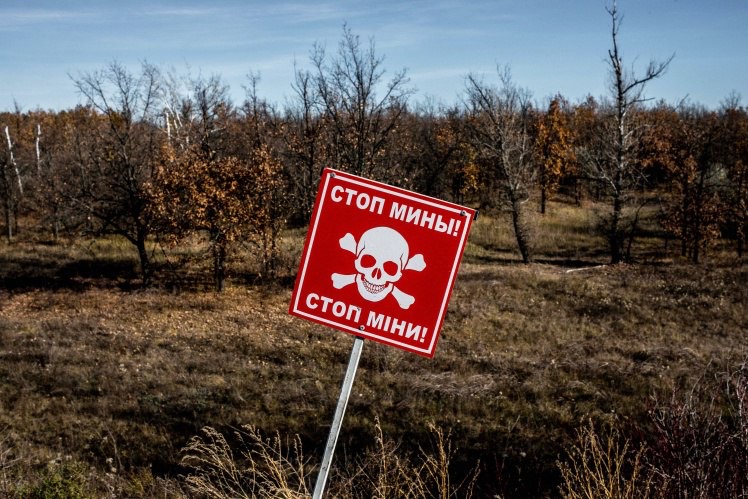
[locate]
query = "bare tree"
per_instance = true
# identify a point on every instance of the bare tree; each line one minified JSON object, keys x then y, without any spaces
{"x":11,"y":178}
{"x":306,"y":148}
{"x":10,"y":190}
{"x":499,"y":128}
{"x":50,"y":181}
{"x":196,"y":111}
{"x":127,"y":148}
{"x":361,"y":120}
{"x":617,"y":172}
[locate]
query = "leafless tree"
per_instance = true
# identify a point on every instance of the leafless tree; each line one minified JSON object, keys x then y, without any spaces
{"x":361,"y":120}
{"x":196,"y":111}
{"x":10,"y":185}
{"x":617,"y":172}
{"x":306,"y":148}
{"x":498,"y":122}
{"x":11,"y":172}
{"x":49,"y":179}
{"x":127,"y":148}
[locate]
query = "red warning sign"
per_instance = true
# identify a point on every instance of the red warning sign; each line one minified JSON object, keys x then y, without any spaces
{"x":380,"y":262}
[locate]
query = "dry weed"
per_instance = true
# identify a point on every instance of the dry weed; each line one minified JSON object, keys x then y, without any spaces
{"x":270,"y":468}
{"x":267,"y":468}
{"x":601,"y":467}
{"x":7,"y":462}
{"x":436,"y":466}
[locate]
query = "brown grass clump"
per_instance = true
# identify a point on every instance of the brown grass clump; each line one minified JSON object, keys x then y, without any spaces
{"x":270,"y":468}
{"x":266,"y":468}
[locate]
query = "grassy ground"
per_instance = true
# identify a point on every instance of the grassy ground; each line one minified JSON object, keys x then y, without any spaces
{"x":104,"y":384}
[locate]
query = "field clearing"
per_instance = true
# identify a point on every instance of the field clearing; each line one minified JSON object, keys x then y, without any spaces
{"x":96,"y":372}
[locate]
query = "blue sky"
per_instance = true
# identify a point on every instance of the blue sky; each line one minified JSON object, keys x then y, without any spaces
{"x":551,"y":45}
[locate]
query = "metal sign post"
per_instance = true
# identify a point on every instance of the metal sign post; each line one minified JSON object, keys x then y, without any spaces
{"x":345,"y":392}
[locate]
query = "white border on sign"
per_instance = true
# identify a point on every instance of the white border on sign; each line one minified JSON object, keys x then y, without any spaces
{"x":382,"y":188}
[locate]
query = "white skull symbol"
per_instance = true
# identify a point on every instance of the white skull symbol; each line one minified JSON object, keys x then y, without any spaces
{"x":381,"y":255}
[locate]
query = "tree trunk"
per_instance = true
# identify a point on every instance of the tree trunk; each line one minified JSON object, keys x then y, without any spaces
{"x":8,"y":221}
{"x":145,"y":266}
{"x":542,"y":200}
{"x":520,"y":230}
{"x":55,"y":223}
{"x":699,"y":221}
{"x":684,"y":222}
{"x":614,"y":236}
{"x":219,"y":266}
{"x":742,"y":226}
{"x":16,"y":211}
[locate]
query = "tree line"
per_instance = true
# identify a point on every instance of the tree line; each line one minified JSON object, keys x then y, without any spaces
{"x":162,"y":156}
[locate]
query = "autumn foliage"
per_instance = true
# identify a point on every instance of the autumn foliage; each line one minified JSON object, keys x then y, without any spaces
{"x":555,"y":153}
{"x":227,"y":198}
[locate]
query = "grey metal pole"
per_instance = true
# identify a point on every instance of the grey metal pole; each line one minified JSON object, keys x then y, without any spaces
{"x":345,"y":392}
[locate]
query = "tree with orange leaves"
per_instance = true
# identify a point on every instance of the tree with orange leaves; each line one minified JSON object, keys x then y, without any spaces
{"x":226,"y":198}
{"x":553,"y":146}
{"x":696,"y":209}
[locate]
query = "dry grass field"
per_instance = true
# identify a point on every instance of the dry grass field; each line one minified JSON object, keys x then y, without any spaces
{"x":103,"y":384}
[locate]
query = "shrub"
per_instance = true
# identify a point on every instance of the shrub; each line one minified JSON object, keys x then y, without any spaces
{"x":699,"y":445}
{"x":61,"y":480}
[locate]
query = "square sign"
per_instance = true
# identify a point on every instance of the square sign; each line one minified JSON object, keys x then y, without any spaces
{"x":380,"y":262}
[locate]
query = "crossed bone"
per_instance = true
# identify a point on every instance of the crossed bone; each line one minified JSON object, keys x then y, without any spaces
{"x":417,"y":263}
